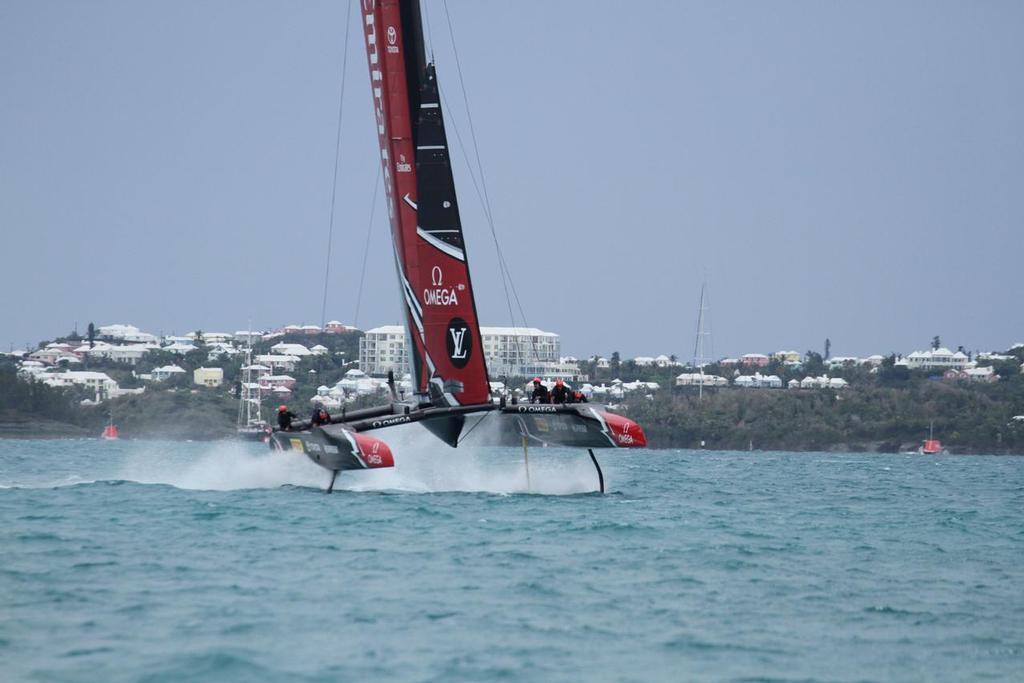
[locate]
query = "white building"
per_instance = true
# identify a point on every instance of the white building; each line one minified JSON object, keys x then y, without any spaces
{"x":382,"y":350}
{"x":180,"y":348}
{"x":758,"y":381}
{"x":128,"y":353}
{"x":278,"y":363}
{"x":941,"y":358}
{"x":212,"y":337}
{"x":166,"y":372}
{"x":208,"y":377}
{"x":696,"y":379}
{"x":285,"y":349}
{"x":508,"y":351}
{"x":125,"y":333}
{"x":98,"y":382}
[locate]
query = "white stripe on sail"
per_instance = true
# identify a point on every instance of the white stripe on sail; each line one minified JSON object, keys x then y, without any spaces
{"x":454,"y":252}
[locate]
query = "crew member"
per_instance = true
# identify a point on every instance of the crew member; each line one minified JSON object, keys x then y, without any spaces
{"x":540,"y":392}
{"x":578,"y":397}
{"x":320,"y":417}
{"x":284,"y":418}
{"x":560,"y":394}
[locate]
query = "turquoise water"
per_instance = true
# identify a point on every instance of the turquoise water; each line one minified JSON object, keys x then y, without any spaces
{"x":134,"y":561}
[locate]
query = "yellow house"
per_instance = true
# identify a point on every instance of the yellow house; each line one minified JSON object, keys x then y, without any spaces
{"x":208,"y":377}
{"x":787,"y":356}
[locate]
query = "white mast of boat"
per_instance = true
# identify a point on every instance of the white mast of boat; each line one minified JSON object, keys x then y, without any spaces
{"x":250,"y":406}
{"x":702,"y":343}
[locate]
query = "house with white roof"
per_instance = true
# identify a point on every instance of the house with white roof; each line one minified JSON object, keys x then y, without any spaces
{"x":286,"y":349}
{"x":754,"y":360}
{"x":166,"y":372}
{"x":319,"y":350}
{"x":180,"y":348}
{"x":696,"y":379}
{"x":278,"y":363}
{"x":208,"y":377}
{"x":337,"y":327}
{"x":48,"y":356}
{"x":273,"y":381}
{"x":98,"y":382}
{"x":937,"y":359}
{"x":125,"y":333}
{"x":758,"y":381}
{"x":212,"y":337}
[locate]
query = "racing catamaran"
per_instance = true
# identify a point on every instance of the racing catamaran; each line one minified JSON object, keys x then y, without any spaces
{"x":449,"y":372}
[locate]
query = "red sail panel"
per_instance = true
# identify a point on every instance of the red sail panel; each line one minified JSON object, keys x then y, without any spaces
{"x":443,"y":332}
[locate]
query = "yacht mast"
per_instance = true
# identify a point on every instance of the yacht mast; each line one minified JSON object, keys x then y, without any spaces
{"x":701,"y":343}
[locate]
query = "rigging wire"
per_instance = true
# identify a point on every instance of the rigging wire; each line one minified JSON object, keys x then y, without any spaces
{"x":337,"y":160}
{"x":366,"y":246}
{"x":485,"y":198}
{"x":430,"y":34}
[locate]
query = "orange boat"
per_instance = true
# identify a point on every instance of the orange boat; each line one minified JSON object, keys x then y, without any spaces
{"x":110,"y":432}
{"x":931,"y":445}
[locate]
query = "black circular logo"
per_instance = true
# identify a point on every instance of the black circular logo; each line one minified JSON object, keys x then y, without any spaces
{"x":460,"y":342}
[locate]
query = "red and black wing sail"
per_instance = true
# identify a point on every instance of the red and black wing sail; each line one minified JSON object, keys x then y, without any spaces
{"x":444,"y":342}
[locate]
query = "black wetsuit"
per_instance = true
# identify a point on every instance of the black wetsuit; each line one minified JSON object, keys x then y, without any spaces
{"x":320,"y":417}
{"x":560,"y":394}
{"x":284,"y":420}
{"x":540,"y":394}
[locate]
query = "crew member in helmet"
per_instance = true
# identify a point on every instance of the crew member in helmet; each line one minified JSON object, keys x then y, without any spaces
{"x":284,"y":418}
{"x":540,"y":392}
{"x":560,"y":394}
{"x":579,"y":397}
{"x":320,"y":417}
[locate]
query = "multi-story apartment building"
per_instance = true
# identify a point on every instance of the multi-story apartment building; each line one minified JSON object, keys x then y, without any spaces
{"x":509,"y":351}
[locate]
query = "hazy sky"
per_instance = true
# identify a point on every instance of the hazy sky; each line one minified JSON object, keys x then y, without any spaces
{"x":846,"y":170}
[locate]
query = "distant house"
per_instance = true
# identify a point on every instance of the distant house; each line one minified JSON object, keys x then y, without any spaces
{"x":48,"y":356}
{"x":285,"y":349}
{"x":754,"y":360}
{"x":274,"y":381}
{"x":985,"y":374}
{"x":166,"y":372}
{"x":209,"y":337}
{"x":787,"y":356}
{"x":179,"y":348}
{"x":311,"y":329}
{"x":208,"y":377}
{"x":128,"y":353}
{"x":695,"y":379}
{"x":758,"y":381}
{"x":247,"y":337}
{"x":336,"y":327}
{"x":98,"y":382}
{"x":319,"y":350}
{"x":277,"y":362}
{"x":938,"y":359}
{"x":125,"y":333}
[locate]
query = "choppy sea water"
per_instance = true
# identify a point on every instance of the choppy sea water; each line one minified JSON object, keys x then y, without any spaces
{"x":150,"y":561}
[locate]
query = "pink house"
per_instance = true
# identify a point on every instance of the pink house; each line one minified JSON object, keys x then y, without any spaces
{"x":754,"y":360}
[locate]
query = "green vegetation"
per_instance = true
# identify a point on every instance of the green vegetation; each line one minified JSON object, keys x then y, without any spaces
{"x":967,"y":418}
